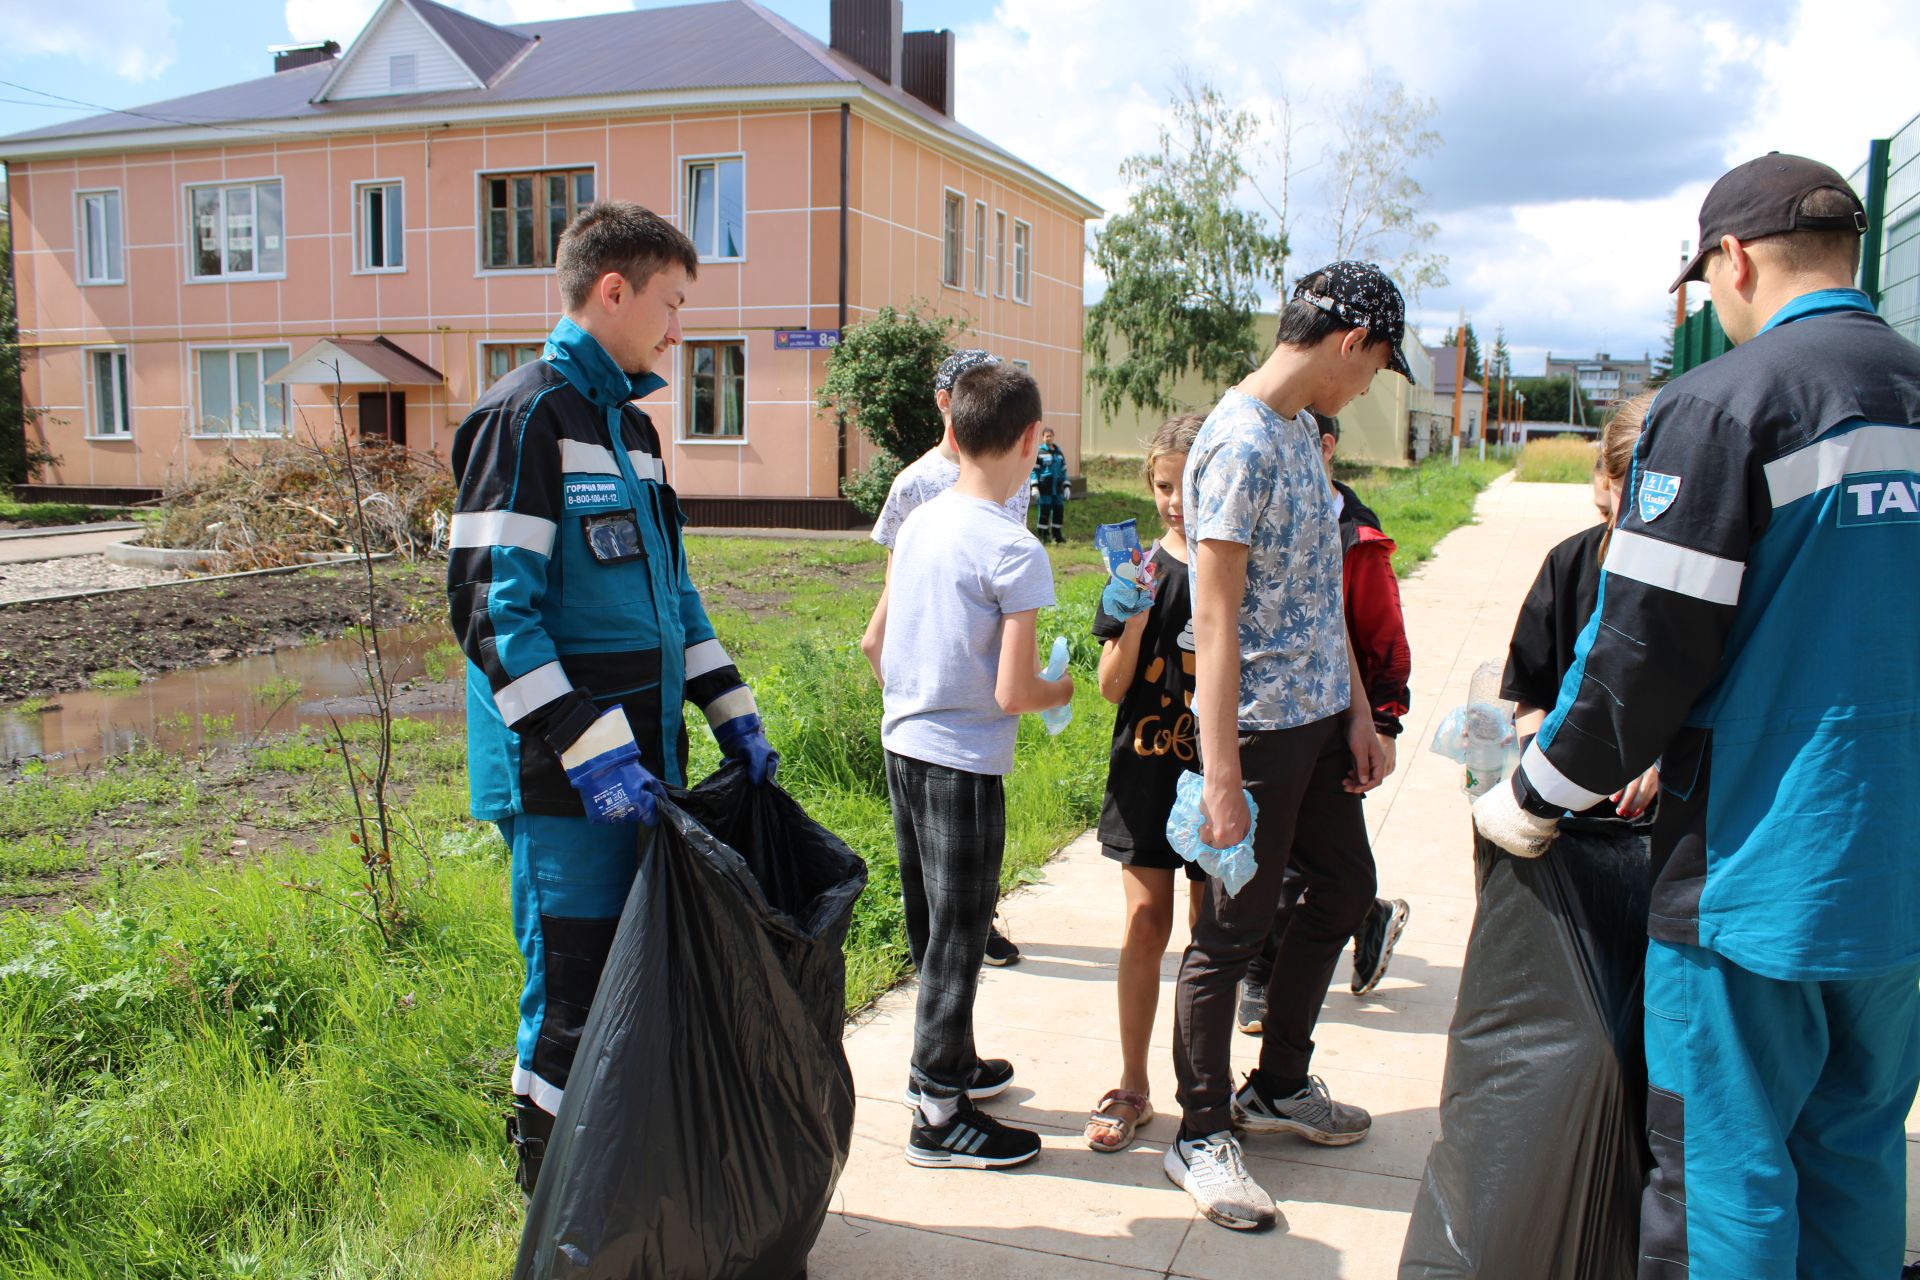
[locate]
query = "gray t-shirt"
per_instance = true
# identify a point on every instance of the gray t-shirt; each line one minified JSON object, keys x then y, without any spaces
{"x":960,"y":566}
{"x":927,"y":476}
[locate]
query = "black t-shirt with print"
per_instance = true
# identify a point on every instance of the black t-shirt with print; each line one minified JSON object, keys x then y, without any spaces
{"x":1153,"y":731}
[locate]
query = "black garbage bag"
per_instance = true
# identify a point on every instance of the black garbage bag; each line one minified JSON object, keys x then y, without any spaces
{"x":710,"y":1107}
{"x":1542,"y":1150}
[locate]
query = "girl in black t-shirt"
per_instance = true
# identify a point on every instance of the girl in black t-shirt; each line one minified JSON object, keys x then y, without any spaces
{"x":1146,"y":668}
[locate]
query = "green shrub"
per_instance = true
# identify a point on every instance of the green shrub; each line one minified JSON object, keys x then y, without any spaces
{"x":867,"y":488}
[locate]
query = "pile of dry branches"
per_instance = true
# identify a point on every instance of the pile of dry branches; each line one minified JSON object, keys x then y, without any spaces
{"x":295,"y":500}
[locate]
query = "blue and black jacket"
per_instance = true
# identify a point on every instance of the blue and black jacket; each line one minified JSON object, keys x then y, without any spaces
{"x":568,"y":582}
{"x":1049,"y":473}
{"x":1757,"y":631}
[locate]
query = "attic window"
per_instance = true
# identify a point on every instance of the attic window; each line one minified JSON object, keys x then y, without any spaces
{"x":402,"y":71}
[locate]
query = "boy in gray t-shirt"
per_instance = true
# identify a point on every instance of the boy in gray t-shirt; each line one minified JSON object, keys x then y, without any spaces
{"x":959,"y":663}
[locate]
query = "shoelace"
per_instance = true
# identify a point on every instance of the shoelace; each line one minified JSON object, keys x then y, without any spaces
{"x":1216,"y":1164}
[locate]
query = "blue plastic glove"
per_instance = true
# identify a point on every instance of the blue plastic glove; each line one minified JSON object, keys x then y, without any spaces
{"x":604,"y":767}
{"x":743,"y":738}
{"x":1122,"y":600}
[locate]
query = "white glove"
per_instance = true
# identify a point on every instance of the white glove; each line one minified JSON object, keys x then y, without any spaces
{"x":1498,"y":816}
{"x":1066,"y":491}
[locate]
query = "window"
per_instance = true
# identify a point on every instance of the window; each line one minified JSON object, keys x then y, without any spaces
{"x":403,"y":71}
{"x":980,"y":247}
{"x":716,"y":390}
{"x":107,"y":393}
{"x":237,"y":231}
{"x":235,"y":399}
{"x":950,"y":241}
{"x":382,"y":227}
{"x":1000,"y":253}
{"x":1022,"y":261}
{"x":717,"y":208}
{"x":498,"y":359}
{"x":525,"y":214}
{"x":100,"y":256}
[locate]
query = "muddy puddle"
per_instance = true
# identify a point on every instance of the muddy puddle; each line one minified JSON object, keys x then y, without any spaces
{"x":236,"y":702}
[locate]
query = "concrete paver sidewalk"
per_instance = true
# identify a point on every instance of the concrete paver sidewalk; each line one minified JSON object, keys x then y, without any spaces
{"x":1074,"y":1213}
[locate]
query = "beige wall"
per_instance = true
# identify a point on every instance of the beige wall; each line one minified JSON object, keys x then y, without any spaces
{"x":442,"y":307}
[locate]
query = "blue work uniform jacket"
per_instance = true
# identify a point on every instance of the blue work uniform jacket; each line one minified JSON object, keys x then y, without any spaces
{"x":568,"y":582}
{"x":1757,"y":630}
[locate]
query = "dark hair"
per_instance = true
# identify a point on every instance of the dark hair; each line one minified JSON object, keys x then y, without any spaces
{"x":1304,"y":325}
{"x":993,"y":404}
{"x":1328,"y":424}
{"x":1799,"y":251}
{"x":620,"y":236}
{"x":1176,"y":435}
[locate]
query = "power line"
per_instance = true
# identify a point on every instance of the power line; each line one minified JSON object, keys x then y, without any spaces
{"x":204,"y":122}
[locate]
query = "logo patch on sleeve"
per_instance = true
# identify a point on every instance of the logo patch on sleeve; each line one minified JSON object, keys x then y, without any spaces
{"x":1657,"y":492}
{"x":1880,"y":497}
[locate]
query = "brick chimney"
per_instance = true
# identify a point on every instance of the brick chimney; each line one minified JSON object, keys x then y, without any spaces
{"x":288,"y":56}
{"x":926,"y":68}
{"x":869,"y":32}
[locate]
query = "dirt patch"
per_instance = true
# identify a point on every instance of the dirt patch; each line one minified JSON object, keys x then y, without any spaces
{"x":52,"y":646}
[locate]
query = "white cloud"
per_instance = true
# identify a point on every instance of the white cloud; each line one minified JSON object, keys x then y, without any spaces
{"x":133,"y":39}
{"x":342,"y":20}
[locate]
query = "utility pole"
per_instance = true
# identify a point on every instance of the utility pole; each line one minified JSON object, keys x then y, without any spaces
{"x":1459,"y":380}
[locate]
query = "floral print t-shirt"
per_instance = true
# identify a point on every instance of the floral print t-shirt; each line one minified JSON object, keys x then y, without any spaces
{"x":1255,"y":478}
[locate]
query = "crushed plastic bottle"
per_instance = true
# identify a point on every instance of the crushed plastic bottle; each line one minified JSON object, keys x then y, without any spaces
{"x":1057,"y":718}
{"x":1480,"y":733}
{"x":1234,"y":866}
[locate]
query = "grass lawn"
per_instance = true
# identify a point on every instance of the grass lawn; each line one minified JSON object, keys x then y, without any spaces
{"x":54,"y":513}
{"x":211,"y":1066}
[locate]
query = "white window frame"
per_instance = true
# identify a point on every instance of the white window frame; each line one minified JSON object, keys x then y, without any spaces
{"x":980,"y":247}
{"x":125,"y":395}
{"x":1023,"y":261}
{"x":1000,"y":253}
{"x":687,"y":165}
{"x":223,"y":276}
{"x":360,"y":265}
{"x":481,"y":271}
{"x":953,"y":230}
{"x":116,"y":232}
{"x":484,"y":379}
{"x":684,"y":410}
{"x":408,"y":62}
{"x":265,"y":433}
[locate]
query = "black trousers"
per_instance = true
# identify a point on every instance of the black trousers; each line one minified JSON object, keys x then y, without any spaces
{"x":1307,"y":820}
{"x":951,"y":829}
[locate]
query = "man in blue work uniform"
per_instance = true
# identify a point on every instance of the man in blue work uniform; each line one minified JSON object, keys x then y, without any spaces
{"x":582,"y":629}
{"x":1756,"y":633}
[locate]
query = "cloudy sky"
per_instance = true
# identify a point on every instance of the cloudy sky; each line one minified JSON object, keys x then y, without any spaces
{"x":1579,"y":136}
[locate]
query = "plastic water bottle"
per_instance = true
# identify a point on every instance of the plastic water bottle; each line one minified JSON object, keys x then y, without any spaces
{"x":1233,"y":866}
{"x":1057,"y":718}
{"x":1487,"y":739}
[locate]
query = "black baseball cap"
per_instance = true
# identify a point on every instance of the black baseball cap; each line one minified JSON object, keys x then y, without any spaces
{"x":958,"y":363}
{"x":1360,"y":294}
{"x":1762,"y":198}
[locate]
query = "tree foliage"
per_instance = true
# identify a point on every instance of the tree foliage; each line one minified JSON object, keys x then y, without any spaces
{"x":1546,"y":398}
{"x":1186,"y":266}
{"x":880,"y":378}
{"x":1374,"y":207}
{"x":19,"y":456}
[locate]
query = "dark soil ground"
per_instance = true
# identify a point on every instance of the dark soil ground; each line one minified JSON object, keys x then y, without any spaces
{"x":52,"y":646}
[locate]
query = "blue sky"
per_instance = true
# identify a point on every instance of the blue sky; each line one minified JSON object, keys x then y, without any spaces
{"x":1579,"y":137}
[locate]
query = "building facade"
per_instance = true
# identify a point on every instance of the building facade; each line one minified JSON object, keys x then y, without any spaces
{"x":1473,"y":398}
{"x":381,"y":227}
{"x":1602,"y":379}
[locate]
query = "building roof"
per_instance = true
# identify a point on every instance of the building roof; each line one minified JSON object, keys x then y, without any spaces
{"x":629,"y":60}
{"x":1445,"y":362}
{"x":358,"y":361}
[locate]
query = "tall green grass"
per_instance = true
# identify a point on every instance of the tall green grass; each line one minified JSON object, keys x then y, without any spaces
{"x":1557,"y":460}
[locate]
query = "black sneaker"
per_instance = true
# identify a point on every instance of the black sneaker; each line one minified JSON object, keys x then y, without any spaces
{"x":971,"y":1140}
{"x":1000,"y":949}
{"x":991,"y":1076}
{"x":1253,"y":1008}
{"x":1373,"y":945}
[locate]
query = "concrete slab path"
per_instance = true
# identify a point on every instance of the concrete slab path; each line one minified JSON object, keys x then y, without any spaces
{"x":1075,"y":1214}
{"x":23,"y":546}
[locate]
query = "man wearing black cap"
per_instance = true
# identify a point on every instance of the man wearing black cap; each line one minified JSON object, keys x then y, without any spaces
{"x":1756,"y":633}
{"x":1281,"y":714}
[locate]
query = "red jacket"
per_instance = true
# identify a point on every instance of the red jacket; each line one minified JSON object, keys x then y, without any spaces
{"x":1374,"y":623}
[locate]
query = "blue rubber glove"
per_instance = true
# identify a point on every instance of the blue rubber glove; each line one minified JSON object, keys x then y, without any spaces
{"x":743,"y":738}
{"x":604,"y":767}
{"x":1123,"y":600}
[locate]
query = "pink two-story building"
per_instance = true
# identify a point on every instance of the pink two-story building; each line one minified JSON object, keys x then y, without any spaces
{"x":191,"y":274}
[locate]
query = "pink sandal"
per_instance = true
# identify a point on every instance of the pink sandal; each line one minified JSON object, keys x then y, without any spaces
{"x":1109,"y":1131}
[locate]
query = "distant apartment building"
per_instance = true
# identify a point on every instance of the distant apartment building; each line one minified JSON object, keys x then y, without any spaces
{"x":198,"y":272}
{"x":1602,"y":379}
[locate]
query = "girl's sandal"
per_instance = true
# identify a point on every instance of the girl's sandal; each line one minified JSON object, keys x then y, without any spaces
{"x":1109,"y":1129}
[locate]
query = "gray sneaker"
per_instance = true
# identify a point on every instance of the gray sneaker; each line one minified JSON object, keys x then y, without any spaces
{"x":1211,"y":1170}
{"x":1311,"y":1114}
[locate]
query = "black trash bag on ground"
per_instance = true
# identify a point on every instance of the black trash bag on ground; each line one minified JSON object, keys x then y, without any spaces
{"x":1542,"y":1150}
{"x":710,"y":1108}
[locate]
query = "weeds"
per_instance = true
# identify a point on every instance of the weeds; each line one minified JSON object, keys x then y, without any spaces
{"x":115,"y":678}
{"x":1557,"y":460}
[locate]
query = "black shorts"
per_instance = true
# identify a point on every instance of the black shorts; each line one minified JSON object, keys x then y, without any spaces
{"x":1154,"y":860}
